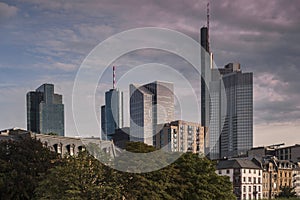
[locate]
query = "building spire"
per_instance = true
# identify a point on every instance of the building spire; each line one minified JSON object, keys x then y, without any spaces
{"x":114,"y":77}
{"x":207,"y":24}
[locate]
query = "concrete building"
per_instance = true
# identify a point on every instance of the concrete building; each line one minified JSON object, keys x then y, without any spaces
{"x":245,"y":175}
{"x":180,"y":136}
{"x":150,"y":104}
{"x":45,"y":111}
{"x":291,"y":153}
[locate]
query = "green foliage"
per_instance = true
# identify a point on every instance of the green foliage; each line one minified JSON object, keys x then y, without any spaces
{"x":81,"y":177}
{"x":22,"y":165}
{"x":190,"y":177}
{"x":286,"y":192}
{"x":29,"y":171}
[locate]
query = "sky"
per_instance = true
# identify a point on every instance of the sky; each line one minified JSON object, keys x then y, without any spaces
{"x":47,"y":41}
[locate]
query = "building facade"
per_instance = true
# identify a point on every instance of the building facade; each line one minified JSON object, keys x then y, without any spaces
{"x":180,"y":136}
{"x":150,"y":104}
{"x":245,"y":176}
{"x":45,"y":111}
{"x":296,"y":179}
{"x":231,"y":111}
{"x":112,"y":112}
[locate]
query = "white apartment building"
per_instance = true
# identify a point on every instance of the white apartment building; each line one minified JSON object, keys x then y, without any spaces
{"x":245,"y":176}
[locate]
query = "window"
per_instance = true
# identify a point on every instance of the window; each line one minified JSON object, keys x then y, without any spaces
{"x":249,"y":171}
{"x":220,"y":171}
{"x":258,"y":180}
{"x":249,"y":179}
{"x":244,"y":189}
{"x":249,"y":188}
{"x":254,"y":180}
{"x":254,"y":171}
{"x":227,"y":171}
{"x":244,"y":179}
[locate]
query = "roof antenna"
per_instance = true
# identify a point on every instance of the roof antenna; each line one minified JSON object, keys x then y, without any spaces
{"x":207,"y":24}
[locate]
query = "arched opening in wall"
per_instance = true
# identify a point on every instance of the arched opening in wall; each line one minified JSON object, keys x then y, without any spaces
{"x":70,"y":149}
{"x":57,"y":148}
{"x":81,"y":148}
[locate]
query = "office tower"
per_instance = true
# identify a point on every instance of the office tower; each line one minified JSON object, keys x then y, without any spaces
{"x":45,"y":111}
{"x":112,"y":111}
{"x":180,"y":136}
{"x":231,"y":112}
{"x":150,"y":104}
{"x":206,"y":63}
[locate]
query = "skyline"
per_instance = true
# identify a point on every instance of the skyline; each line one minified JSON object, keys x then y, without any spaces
{"x":262,"y":36}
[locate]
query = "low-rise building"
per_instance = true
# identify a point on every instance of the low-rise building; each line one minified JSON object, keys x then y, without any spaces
{"x":62,"y":145}
{"x":245,"y":175}
{"x":296,"y":179}
{"x":180,"y":136}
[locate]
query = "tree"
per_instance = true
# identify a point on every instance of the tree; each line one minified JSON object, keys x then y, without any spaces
{"x":23,"y":164}
{"x":81,"y":177}
{"x":287,"y":192}
{"x":190,"y":177}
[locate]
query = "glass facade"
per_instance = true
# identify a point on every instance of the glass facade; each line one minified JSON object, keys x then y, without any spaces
{"x":231,"y":112}
{"x":113,"y":111}
{"x":45,"y":111}
{"x":150,"y":104}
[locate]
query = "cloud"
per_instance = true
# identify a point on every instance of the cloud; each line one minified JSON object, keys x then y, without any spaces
{"x":7,"y":11}
{"x":262,"y":35}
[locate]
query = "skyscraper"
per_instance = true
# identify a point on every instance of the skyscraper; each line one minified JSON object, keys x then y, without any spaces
{"x":206,"y":62}
{"x":150,"y":104}
{"x":112,"y":111}
{"x":231,"y":112}
{"x":45,"y":111}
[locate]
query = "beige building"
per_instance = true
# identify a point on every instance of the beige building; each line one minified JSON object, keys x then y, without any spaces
{"x":277,"y":174}
{"x":269,"y":179}
{"x":180,"y":136}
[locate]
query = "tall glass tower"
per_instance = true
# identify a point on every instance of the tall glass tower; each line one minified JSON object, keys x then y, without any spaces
{"x":231,"y":127}
{"x":150,"y":105}
{"x":112,"y":112}
{"x":45,"y":111}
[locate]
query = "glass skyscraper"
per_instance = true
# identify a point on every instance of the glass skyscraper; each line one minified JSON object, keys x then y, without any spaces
{"x":45,"y":111}
{"x":150,"y":104}
{"x":112,"y":112}
{"x":231,"y":112}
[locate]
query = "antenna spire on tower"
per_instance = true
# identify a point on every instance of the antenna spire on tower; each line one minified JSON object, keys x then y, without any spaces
{"x":207,"y":24}
{"x":114,"y":77}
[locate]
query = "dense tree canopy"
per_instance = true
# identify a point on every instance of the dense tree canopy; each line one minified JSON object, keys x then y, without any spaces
{"x":27,"y":170}
{"x":23,"y":164}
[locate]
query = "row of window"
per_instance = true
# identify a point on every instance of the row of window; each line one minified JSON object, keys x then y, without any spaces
{"x":255,"y":189}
